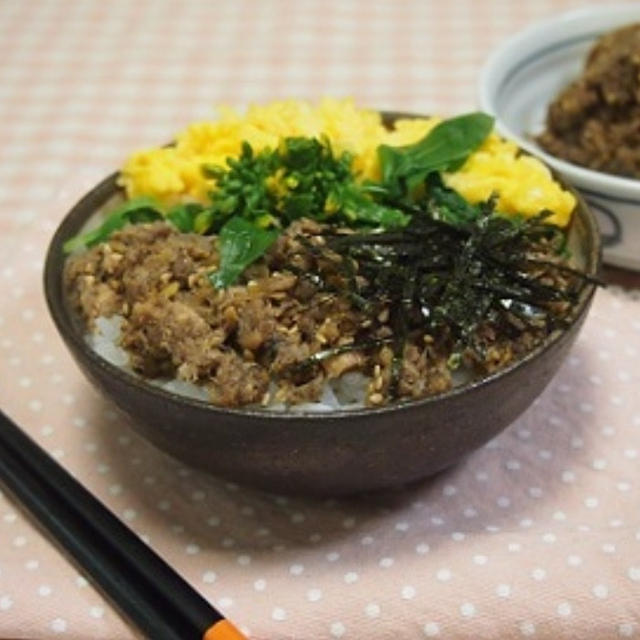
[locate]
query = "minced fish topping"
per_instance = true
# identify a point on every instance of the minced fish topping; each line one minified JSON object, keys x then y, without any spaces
{"x":595,"y":120}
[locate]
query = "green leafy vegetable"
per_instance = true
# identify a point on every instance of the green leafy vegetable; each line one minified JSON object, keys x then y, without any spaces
{"x":357,"y":207}
{"x":241,"y":189}
{"x":184,"y":216}
{"x":302,"y":178}
{"x":137,"y":210}
{"x":241,"y":244}
{"x":448,"y":205}
{"x":444,"y":148}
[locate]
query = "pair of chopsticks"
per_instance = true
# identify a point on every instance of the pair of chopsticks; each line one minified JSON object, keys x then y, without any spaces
{"x":144,"y":587}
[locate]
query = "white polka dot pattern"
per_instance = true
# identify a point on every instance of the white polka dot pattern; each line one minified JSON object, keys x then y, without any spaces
{"x":536,"y":534}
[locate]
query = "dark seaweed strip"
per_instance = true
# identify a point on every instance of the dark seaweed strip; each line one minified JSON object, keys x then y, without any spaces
{"x":563,"y":268}
{"x":317,"y":280}
{"x":522,"y":278}
{"x":505,"y":292}
{"x":400,"y":330}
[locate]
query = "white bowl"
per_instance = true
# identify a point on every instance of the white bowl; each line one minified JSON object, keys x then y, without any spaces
{"x":525,"y":74}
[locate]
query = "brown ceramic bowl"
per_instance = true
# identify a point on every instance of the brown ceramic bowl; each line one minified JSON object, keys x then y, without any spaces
{"x":329,"y":453}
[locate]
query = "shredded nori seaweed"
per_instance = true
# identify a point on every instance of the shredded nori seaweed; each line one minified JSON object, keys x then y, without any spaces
{"x":452,"y":269}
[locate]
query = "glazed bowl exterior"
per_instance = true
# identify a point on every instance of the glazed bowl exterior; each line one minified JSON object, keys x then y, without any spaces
{"x":335,"y":453}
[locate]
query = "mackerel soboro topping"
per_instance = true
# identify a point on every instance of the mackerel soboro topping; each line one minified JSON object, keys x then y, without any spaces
{"x":278,"y":336}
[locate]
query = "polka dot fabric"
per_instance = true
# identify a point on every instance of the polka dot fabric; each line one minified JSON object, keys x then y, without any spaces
{"x":535,"y":535}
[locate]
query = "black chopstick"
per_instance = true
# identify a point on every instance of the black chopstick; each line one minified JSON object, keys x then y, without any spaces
{"x":144,"y":587}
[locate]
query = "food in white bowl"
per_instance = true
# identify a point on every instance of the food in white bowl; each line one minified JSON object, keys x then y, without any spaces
{"x":525,"y":75}
{"x":595,"y":120}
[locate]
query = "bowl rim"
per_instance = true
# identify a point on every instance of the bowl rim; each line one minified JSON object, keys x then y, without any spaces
{"x":520,"y":47}
{"x":67,"y":327}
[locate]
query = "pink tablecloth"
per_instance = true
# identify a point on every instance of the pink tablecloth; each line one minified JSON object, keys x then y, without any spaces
{"x":537,"y":534}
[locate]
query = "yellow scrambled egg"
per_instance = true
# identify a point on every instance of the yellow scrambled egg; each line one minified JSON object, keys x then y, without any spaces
{"x":173,"y":174}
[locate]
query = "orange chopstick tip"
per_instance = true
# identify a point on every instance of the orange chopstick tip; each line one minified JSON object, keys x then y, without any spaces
{"x":222,"y":630}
